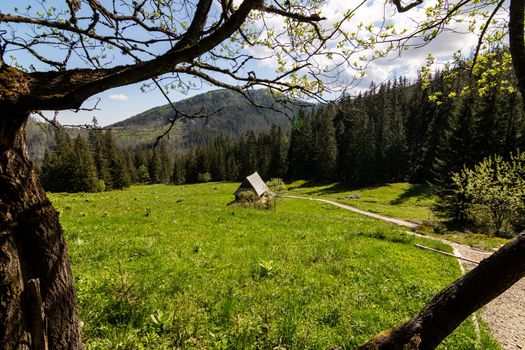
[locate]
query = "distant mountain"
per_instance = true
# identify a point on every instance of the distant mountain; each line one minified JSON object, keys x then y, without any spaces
{"x":41,"y":136}
{"x":230,"y":114}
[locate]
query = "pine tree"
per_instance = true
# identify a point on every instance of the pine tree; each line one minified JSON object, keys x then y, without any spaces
{"x":264,"y":155}
{"x":177,"y":176}
{"x":217,"y":156}
{"x":59,"y":169}
{"x":154,"y":168}
{"x":85,"y":179}
{"x":453,"y":153}
{"x":97,"y":146}
{"x":324,"y":151}
{"x":143,"y":174}
{"x":190,"y":167}
{"x":247,"y":153}
{"x":279,"y":148}
{"x":166,"y":167}
{"x":130,"y":166}
{"x":300,"y":149}
{"x":69,"y":166}
{"x":120,"y":178}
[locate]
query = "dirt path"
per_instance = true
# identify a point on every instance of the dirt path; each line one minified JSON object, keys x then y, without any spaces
{"x":505,"y":315}
{"x":398,"y":222}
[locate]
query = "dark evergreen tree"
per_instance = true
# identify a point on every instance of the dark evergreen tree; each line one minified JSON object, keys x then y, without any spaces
{"x":247,"y":153}
{"x":155,"y":168}
{"x":300,"y":149}
{"x":324,"y":146}
{"x":279,"y":150}
{"x":97,"y":146}
{"x":143,"y":174}
{"x":166,"y":167}
{"x":455,"y":150}
{"x":85,"y":179}
{"x":190,"y":167}
{"x":177,"y":176}
{"x":120,"y":178}
{"x":68,"y":167}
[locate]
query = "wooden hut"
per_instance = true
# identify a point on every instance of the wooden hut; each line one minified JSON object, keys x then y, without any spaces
{"x":254,"y":184}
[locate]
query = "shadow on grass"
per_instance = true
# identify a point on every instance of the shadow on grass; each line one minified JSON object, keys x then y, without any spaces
{"x":333,"y":188}
{"x":417,"y":190}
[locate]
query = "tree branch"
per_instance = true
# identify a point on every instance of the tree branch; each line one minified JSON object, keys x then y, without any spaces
{"x":404,"y":8}
{"x":68,"y":89}
{"x":516,"y":41}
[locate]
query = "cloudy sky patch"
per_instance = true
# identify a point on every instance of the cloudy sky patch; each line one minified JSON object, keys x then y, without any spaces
{"x":118,"y":97}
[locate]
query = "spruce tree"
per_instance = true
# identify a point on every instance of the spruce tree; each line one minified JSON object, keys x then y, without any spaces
{"x":300,"y":149}
{"x":166,"y":167}
{"x":190,"y":167}
{"x":455,"y":151}
{"x":155,"y":168}
{"x":85,"y":179}
{"x":97,"y":146}
{"x":324,"y":150}
{"x":143,"y":174}
{"x":279,"y":148}
{"x":58,"y":171}
{"x":120,"y":178}
{"x":177,"y":176}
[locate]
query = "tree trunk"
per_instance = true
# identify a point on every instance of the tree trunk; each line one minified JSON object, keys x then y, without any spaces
{"x":446,"y":310}
{"x":37,"y":300}
{"x":516,"y":41}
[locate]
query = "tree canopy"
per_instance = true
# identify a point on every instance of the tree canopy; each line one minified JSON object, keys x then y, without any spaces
{"x":62,"y":52}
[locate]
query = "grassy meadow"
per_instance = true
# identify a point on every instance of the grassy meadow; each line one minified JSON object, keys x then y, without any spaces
{"x":412,"y":202}
{"x":167,"y":267}
{"x":399,"y":200}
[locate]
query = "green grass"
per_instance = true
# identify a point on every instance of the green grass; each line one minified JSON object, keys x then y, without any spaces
{"x":163,"y":267}
{"x":412,"y":202}
{"x":400,"y":200}
{"x":475,"y":240}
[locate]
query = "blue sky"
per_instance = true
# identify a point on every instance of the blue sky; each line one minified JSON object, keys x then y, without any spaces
{"x":124,"y":102}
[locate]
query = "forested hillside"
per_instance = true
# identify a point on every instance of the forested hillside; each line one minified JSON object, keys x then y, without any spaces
{"x":396,"y":131}
{"x":230,"y":115}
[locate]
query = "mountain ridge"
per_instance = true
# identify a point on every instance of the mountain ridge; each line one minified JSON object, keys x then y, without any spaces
{"x":231,"y":115}
{"x":234,"y":116}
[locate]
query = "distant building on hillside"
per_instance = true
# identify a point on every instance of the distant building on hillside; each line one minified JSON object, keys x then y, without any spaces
{"x":254,"y":185}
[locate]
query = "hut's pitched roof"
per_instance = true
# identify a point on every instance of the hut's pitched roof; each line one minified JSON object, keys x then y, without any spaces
{"x":254,"y":182}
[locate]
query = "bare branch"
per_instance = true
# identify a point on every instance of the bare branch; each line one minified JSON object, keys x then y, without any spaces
{"x":404,"y":8}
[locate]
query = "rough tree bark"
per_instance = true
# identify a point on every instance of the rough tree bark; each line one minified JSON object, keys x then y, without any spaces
{"x":516,"y":41}
{"x":32,"y":247}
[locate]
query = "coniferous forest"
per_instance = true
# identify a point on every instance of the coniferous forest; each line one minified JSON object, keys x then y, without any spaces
{"x":420,"y":132}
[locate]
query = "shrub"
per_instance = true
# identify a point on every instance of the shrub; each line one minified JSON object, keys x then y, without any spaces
{"x":278,"y":189}
{"x":247,"y":197}
{"x":495,"y":192}
{"x":204,"y":177}
{"x":277,"y":186}
{"x":250,"y":199}
{"x":101,"y":186}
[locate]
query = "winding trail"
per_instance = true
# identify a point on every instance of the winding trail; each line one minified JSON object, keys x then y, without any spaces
{"x":505,"y":315}
{"x":398,"y":222}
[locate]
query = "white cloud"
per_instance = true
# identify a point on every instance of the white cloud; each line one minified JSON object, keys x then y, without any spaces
{"x":118,"y":97}
{"x":456,"y":38}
